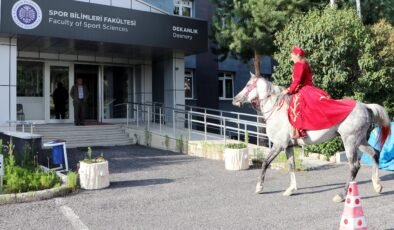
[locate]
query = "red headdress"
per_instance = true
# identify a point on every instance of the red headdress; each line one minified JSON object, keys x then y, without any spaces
{"x":298,"y":50}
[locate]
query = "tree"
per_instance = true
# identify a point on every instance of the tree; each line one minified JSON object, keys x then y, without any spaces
{"x":375,"y":10}
{"x":371,"y":11}
{"x":348,"y":58}
{"x":246,"y":28}
{"x":377,"y":84}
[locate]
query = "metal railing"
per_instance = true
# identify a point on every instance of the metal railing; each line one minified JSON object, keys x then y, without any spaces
{"x":193,"y":120}
{"x":14,"y":124}
{"x":151,"y":7}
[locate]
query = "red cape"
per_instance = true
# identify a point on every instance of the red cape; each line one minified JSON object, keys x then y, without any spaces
{"x":311,"y":108}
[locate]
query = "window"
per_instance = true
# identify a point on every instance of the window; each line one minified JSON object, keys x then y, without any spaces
{"x":189,"y":84}
{"x":30,"y":78}
{"x":225,"y":86}
{"x":183,"y":7}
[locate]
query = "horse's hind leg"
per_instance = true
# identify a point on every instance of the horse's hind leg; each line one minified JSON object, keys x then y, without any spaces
{"x":291,"y":162}
{"x":275,"y":150}
{"x":354,"y":165}
{"x":365,"y":147}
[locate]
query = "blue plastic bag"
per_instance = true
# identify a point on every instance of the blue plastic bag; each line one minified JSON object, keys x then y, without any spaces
{"x":57,"y":155}
{"x":386,"y":160}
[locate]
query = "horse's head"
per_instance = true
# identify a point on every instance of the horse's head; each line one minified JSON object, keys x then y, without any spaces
{"x":255,"y":89}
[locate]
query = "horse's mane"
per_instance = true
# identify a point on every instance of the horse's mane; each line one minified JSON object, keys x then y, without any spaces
{"x":276,"y":91}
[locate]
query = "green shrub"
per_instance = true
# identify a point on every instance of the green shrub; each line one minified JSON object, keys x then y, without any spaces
{"x":34,"y":181}
{"x":236,"y":145}
{"x":328,"y":148}
{"x":24,"y":179}
{"x":246,"y":137}
{"x":72,"y":180}
{"x":49,"y":179}
{"x":180,"y":144}
{"x":90,"y":160}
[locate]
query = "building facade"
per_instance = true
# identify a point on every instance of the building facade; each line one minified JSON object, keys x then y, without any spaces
{"x":208,"y":82}
{"x":124,"y":50}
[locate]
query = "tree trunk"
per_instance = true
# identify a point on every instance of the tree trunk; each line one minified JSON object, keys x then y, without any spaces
{"x":358,"y":6}
{"x":257,"y":64}
{"x":332,"y":3}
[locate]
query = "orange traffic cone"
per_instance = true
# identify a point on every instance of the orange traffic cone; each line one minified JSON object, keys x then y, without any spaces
{"x":353,"y":216}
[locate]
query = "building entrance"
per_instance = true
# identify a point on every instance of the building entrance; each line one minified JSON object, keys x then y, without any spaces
{"x":89,"y":75}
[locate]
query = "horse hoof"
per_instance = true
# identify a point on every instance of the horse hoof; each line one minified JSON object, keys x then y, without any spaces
{"x":338,"y":198}
{"x":289,"y":191}
{"x":259,"y":189}
{"x":378,"y":188}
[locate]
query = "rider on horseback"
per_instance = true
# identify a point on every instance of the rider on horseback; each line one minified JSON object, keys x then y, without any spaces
{"x":311,"y":108}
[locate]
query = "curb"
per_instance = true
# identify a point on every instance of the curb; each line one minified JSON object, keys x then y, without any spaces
{"x":37,"y":195}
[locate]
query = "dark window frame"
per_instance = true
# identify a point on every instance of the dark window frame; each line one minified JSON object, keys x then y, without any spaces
{"x":223,"y":77}
{"x":189,"y":74}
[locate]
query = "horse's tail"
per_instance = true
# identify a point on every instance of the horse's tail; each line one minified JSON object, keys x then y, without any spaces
{"x":381,"y":117}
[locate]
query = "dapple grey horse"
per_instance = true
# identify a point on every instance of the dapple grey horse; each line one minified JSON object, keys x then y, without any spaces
{"x":273,"y":106}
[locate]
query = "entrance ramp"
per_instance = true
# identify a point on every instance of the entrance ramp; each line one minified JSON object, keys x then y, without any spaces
{"x":194,"y":130}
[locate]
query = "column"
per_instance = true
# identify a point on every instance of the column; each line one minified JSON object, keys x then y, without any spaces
{"x":8,"y":53}
{"x":174,"y":91}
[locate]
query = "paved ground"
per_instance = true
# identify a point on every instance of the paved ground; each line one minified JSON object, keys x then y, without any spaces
{"x":152,"y":189}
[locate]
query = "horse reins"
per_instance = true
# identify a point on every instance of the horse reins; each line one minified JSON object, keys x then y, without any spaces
{"x":271,"y":111}
{"x":256,"y":102}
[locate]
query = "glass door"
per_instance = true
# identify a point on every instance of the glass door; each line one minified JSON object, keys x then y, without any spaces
{"x":88,"y":74}
{"x":58,"y":83}
{"x":118,"y":90}
{"x":59,"y":93}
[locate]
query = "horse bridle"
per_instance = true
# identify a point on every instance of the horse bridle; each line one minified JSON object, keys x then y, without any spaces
{"x":256,"y":101}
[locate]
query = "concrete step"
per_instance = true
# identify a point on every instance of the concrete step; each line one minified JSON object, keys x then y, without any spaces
{"x":93,"y":144}
{"x":84,"y":136}
{"x":76,"y":128}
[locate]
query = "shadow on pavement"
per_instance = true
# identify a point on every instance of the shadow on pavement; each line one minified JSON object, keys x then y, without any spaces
{"x":388,"y":193}
{"x":271,"y":192}
{"x":137,"y":183}
{"x":387,"y":177}
{"x":129,"y":158}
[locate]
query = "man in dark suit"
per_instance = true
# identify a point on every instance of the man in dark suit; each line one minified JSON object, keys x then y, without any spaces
{"x":79,"y":94}
{"x":60,"y":97}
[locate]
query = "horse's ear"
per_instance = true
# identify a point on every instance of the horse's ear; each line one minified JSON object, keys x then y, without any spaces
{"x":252,"y":75}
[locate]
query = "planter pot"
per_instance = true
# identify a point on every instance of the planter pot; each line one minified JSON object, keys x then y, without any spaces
{"x":236,"y":159}
{"x":341,"y":157}
{"x":314,"y":156}
{"x":323,"y":157}
{"x":333,"y":159}
{"x":94,"y":175}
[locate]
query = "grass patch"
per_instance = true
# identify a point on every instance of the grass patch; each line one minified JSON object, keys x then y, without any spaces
{"x":72,"y":180}
{"x":26,"y":177}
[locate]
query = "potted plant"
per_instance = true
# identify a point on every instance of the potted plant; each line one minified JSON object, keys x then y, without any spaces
{"x":236,"y":155}
{"x":93,"y":172}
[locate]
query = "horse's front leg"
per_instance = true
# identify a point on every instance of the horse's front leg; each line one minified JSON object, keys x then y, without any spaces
{"x":291,"y":162}
{"x":275,"y":150}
